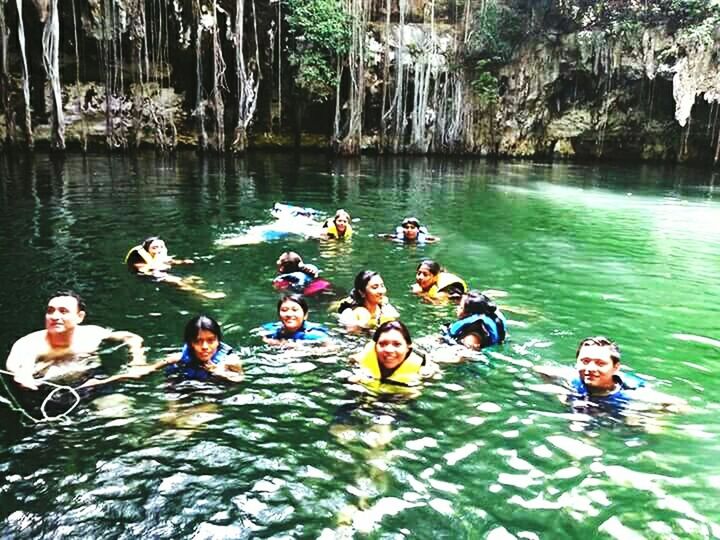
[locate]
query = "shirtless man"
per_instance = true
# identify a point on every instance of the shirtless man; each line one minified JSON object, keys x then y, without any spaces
{"x":65,"y":344}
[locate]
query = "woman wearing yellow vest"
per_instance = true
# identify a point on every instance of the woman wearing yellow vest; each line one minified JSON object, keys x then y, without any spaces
{"x":389,"y":358}
{"x":367,"y":305}
{"x":151,"y":259}
{"x":339,"y":227}
{"x":434,"y":283}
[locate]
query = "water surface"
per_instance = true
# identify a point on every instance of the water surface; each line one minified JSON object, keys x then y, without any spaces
{"x":631,"y":252}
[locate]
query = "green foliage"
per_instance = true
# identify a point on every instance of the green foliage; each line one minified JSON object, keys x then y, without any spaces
{"x":496,"y":31}
{"x":484,"y":84}
{"x":319,"y":31}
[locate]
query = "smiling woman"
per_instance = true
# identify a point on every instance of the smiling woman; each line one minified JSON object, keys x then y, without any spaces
{"x":293,"y":324}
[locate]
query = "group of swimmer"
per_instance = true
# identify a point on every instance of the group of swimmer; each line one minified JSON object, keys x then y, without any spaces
{"x":390,"y":358}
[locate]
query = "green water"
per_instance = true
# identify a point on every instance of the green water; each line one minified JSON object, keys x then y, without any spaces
{"x":293,"y":452}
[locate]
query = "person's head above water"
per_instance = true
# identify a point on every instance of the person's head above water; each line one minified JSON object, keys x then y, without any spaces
{"x":369,"y":288}
{"x":426,"y":274}
{"x":597,"y":360}
{"x":475,"y":303}
{"x":292,"y":310}
{"x":155,"y":246}
{"x":393,"y":344}
{"x":341,"y":221}
{"x":65,"y":310}
{"x":202,"y":337}
{"x":410,"y":228}
{"x":288,"y":262}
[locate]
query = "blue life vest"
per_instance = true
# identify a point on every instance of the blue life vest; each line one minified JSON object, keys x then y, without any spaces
{"x":494,"y":328}
{"x":191,"y":368}
{"x":307,"y":332}
{"x":626,"y":382}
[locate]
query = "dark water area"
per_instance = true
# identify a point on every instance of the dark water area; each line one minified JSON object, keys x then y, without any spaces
{"x":294,"y":451}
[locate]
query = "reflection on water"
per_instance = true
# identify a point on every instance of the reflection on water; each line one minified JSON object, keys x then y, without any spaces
{"x":295,"y":451}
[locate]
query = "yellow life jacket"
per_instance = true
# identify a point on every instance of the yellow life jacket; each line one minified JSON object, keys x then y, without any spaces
{"x":332,"y":230}
{"x":140,"y":251}
{"x":445,"y":279}
{"x":406,"y":374}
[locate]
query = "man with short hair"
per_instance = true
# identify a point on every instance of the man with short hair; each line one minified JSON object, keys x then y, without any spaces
{"x":597,"y":376}
{"x":65,"y":345}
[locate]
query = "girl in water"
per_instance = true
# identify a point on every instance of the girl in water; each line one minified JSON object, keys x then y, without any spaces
{"x":411,"y":232}
{"x":339,"y":227}
{"x":434,"y":283}
{"x":293,"y":325}
{"x":204,"y":354}
{"x":151,"y":259}
{"x":480,"y":323}
{"x":298,"y":277}
{"x":390,"y":358}
{"x":367,"y":305}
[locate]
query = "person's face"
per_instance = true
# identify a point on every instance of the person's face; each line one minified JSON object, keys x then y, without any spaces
{"x":205,"y":345}
{"x":425,"y":278}
{"x":410,"y":231}
{"x":375,"y":290}
{"x":341,"y":223}
{"x":391,"y":349}
{"x":460,"y":311}
{"x":62,"y":314}
{"x":157,"y":248}
{"x":292,"y":316}
{"x":595,"y":367}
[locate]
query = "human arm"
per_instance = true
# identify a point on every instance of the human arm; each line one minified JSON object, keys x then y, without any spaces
{"x":230,"y":369}
{"x":22,"y":359}
{"x":134,"y":372}
{"x":134,"y":343}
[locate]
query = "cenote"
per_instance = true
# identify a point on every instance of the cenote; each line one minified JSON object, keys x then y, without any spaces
{"x":294,"y":451}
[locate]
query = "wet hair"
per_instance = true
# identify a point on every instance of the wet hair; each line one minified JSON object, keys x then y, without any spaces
{"x":70,"y":293}
{"x":341,"y":213}
{"x":432,"y":266}
{"x":601,"y":341}
{"x":149,"y":240}
{"x":297,"y":298}
{"x":392,"y":325}
{"x":356,"y":297}
{"x":290,"y":262}
{"x":477,"y":303}
{"x":198,"y":323}
{"x":415,"y":221}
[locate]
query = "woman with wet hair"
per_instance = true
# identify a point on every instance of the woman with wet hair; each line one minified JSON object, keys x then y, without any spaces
{"x":435,"y":283}
{"x":390,"y":358}
{"x":339,"y":227}
{"x":367,"y":306}
{"x":204,"y":354}
{"x":411,"y":231}
{"x":292,"y":310}
{"x":480,"y":323}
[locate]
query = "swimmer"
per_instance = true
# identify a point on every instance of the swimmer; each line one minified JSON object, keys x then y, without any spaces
{"x":298,"y":277}
{"x":290,"y":220}
{"x":597,"y":376}
{"x":367,"y":305}
{"x":480,"y":323}
{"x":293,"y":325}
{"x":390,"y":358}
{"x":151,"y":259}
{"x":339,"y":227}
{"x":411,"y":232}
{"x":204,"y":354}
{"x":434,"y":283}
{"x":66,"y":346}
